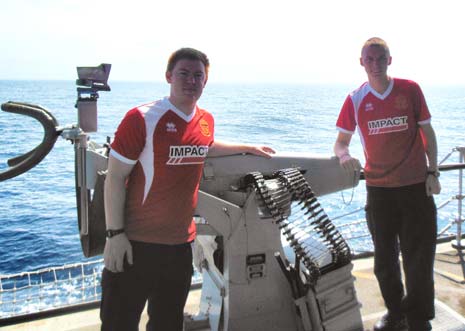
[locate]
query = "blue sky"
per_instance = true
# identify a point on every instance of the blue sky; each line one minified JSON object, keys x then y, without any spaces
{"x":247,"y":40}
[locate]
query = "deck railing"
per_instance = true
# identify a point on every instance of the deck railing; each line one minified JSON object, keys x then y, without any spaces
{"x":50,"y":288}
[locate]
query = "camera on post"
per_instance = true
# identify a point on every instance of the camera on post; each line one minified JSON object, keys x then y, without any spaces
{"x":90,"y":81}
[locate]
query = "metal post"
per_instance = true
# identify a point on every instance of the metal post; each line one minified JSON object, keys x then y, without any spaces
{"x":458,"y":244}
{"x":81,"y":147}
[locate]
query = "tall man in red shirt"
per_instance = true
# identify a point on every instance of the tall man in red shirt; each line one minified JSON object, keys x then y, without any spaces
{"x":154,"y":170}
{"x":401,"y":175}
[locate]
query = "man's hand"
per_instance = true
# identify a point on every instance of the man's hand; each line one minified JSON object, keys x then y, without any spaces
{"x":349,"y":163}
{"x":117,"y":248}
{"x":432,"y":185}
{"x":261,"y":151}
{"x":223,"y":148}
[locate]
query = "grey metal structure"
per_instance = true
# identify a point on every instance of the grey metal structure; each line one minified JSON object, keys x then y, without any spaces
{"x":244,"y":286}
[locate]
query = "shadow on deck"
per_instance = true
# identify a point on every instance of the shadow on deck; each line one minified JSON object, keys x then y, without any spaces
{"x":449,"y":288}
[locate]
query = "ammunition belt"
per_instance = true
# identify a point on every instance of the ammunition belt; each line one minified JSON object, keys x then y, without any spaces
{"x":312,"y":225}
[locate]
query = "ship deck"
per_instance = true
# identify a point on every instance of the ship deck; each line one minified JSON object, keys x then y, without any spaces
{"x":450,"y":299}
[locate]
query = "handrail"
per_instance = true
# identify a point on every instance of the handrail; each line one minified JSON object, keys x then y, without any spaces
{"x":25,"y":162}
{"x":441,"y":167}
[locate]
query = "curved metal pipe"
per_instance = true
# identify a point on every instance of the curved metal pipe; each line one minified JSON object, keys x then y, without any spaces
{"x":25,"y":162}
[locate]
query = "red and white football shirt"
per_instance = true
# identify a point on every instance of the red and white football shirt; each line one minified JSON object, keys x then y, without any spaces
{"x":388,"y":128}
{"x":168,"y":149}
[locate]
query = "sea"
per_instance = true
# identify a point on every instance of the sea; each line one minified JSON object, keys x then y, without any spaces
{"x":38,"y":219}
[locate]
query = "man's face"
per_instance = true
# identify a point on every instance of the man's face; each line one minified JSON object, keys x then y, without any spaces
{"x":375,"y":60}
{"x":187,"y":79}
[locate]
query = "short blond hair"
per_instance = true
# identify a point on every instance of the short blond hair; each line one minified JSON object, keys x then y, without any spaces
{"x":376,"y":42}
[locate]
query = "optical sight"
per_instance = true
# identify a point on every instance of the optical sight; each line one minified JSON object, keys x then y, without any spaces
{"x":90,"y":81}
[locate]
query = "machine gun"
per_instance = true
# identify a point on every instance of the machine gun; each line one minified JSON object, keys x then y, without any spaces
{"x":248,"y":208}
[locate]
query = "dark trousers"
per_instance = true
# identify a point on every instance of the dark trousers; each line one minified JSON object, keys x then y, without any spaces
{"x":160,"y":276}
{"x":403,"y":220}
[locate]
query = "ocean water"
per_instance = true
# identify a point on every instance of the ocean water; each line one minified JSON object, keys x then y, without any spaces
{"x":38,"y":221}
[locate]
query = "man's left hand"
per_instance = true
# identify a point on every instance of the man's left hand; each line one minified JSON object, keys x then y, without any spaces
{"x":432,"y":185}
{"x":261,"y":151}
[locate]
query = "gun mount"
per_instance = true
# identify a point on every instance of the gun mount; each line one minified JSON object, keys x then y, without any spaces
{"x":248,"y":208}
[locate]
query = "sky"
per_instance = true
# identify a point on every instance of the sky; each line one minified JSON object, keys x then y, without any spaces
{"x":287,"y":41}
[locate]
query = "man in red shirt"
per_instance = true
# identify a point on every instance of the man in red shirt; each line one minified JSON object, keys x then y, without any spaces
{"x":154,"y":171}
{"x":401,"y":175}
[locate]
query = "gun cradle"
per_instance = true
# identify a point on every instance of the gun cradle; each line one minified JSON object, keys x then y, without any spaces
{"x":240,"y":242}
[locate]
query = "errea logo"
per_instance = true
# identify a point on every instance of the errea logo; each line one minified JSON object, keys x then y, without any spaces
{"x":187,"y":154}
{"x":171,"y":127}
{"x":369,"y":106}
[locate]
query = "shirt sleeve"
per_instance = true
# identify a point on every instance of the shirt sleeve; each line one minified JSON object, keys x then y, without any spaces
{"x":423,"y":115}
{"x":346,"y":121}
{"x":212,"y":121}
{"x":130,"y":137}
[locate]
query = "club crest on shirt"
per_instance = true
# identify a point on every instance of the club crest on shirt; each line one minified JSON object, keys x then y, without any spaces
{"x":401,"y":102}
{"x":204,"y":128}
